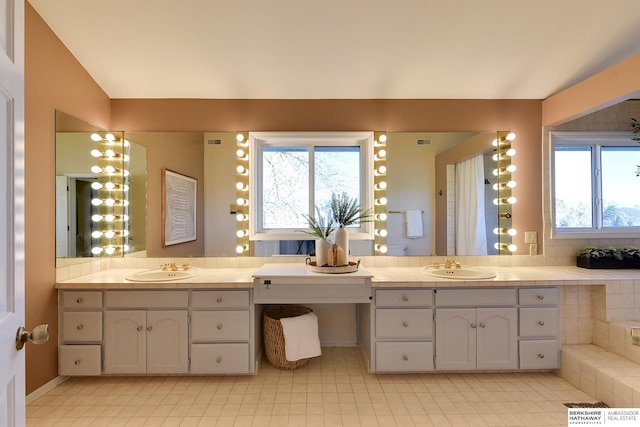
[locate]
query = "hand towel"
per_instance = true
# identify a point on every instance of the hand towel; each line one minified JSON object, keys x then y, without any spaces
{"x":414,"y":223}
{"x":301,"y":340}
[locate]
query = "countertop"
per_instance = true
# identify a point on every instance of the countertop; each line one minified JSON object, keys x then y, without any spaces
{"x":380,"y":277}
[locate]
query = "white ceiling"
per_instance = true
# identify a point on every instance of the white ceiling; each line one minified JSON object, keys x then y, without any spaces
{"x":343,"y":49}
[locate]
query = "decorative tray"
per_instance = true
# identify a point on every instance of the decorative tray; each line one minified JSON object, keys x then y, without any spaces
{"x":326,"y":269}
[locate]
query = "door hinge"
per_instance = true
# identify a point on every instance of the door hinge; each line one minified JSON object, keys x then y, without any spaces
{"x":189,"y":363}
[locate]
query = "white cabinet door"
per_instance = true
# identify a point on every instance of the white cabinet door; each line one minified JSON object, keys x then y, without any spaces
{"x":497,"y":343}
{"x":456,"y":339}
{"x":167,"y":342}
{"x":124,"y":342}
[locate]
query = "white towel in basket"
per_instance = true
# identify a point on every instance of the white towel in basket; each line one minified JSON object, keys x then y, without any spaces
{"x":301,"y":340}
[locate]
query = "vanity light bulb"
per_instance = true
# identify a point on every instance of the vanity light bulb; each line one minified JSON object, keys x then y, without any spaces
{"x":496,"y":231}
{"x":382,"y":185}
{"x":496,"y":186}
{"x":125,"y":173}
{"x":241,"y":202}
{"x":96,"y":251}
{"x":96,"y":202}
{"x":511,"y":200}
{"x":96,"y":153}
{"x":240,"y":169}
{"x":109,"y":169}
{"x":241,"y":217}
{"x":495,"y":172}
{"x":96,"y":137}
{"x":96,"y":234}
{"x":240,"y":153}
{"x":382,"y":170}
{"x":109,"y":137}
{"x":382,"y":201}
{"x":510,"y":137}
{"x":239,"y":137}
{"x":510,"y":152}
{"x":110,"y":201}
{"x":126,"y":143}
{"x":240,"y":186}
{"x":495,"y":157}
{"x":126,"y":157}
{"x":125,"y":203}
{"x":110,"y":250}
{"x":110,"y":153}
{"x":125,"y":233}
{"x":511,"y":184}
{"x":126,"y":248}
{"x":512,"y":248}
{"x":382,"y":233}
{"x":109,"y":218}
{"x":125,"y":187}
{"x":110,"y":234}
{"x":241,"y":248}
{"x":96,"y":218}
{"x":511,"y":168}
{"x":512,"y":232}
{"x":382,"y":138}
{"x":494,"y":142}
{"x":125,"y":217}
{"x":381,"y":217}
{"x":241,"y":233}
{"x":96,"y":169}
{"x":109,"y":185}
{"x":382,"y":154}
{"x":382,"y":248}
{"x":96,"y":185}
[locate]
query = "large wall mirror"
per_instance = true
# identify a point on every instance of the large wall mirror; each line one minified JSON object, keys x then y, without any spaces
{"x":417,"y":165}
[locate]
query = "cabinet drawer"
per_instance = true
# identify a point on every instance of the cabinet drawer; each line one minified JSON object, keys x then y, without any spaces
{"x":219,"y":358}
{"x":79,"y":360}
{"x":404,"y":356}
{"x":539,"y":354}
{"x":81,"y":299}
{"x":146,"y":299}
{"x":539,"y":296}
{"x":404,"y":297}
{"x":221,"y":299}
{"x":476,"y":297}
{"x":539,"y":322}
{"x":82,"y":326}
{"x":404,"y":323}
{"x":220,"y":325}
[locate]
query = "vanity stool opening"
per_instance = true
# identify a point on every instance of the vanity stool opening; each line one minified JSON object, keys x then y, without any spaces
{"x":274,"y":336}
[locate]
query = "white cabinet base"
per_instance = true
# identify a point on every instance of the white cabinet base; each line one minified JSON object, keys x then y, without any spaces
{"x":404,"y":356}
{"x":79,"y":360}
{"x":219,"y":358}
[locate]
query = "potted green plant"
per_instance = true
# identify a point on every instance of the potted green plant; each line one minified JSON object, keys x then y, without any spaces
{"x":347,"y":212}
{"x":320,"y":228}
{"x":608,"y":257}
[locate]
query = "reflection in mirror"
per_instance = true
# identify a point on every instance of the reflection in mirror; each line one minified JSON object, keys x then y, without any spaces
{"x":100,"y":191}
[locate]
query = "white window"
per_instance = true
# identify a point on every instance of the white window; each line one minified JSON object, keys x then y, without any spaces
{"x":292,"y":174}
{"x":595,"y":185}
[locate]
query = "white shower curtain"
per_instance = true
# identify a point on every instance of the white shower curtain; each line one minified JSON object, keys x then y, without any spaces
{"x":471,"y":233}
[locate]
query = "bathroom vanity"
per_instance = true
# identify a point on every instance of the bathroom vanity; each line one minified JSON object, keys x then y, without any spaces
{"x":406,"y":321}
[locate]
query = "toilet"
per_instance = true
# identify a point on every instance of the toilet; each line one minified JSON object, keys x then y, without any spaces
{"x":396,"y":250}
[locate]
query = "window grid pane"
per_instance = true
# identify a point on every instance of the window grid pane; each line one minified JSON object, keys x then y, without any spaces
{"x":620,"y":197}
{"x":337,"y":170}
{"x":573,"y":187}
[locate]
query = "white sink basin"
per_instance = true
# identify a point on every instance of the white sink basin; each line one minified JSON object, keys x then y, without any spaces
{"x":462,"y":273}
{"x":159,"y":275}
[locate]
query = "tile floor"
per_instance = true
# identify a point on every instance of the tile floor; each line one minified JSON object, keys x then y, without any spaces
{"x":333,"y":390}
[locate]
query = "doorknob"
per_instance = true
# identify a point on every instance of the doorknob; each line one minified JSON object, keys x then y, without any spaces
{"x":39,"y":335}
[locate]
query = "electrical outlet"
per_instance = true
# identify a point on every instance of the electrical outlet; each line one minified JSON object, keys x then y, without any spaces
{"x":533,"y":249}
{"x":531,"y":237}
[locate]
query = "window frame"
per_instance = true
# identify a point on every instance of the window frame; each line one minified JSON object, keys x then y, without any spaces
{"x":595,"y":140}
{"x":257,"y":140}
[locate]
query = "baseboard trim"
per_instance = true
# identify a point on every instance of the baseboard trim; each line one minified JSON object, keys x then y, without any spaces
{"x":45,"y":388}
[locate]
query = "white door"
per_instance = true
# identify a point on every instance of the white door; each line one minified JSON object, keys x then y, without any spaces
{"x":12,"y":360}
{"x":456,"y":339}
{"x":167,"y":342}
{"x":125,"y":348}
{"x":497,"y":338}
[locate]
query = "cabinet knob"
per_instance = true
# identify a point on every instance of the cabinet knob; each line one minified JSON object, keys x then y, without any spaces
{"x":405,"y":324}
{"x":219,"y":326}
{"x":150,"y":328}
{"x":473,"y":325}
{"x":405,"y":357}
{"x":139,"y":328}
{"x":405,"y":298}
{"x":80,"y":300}
{"x":79,"y":327}
{"x":541,"y":356}
{"x":219,"y":359}
{"x":540,"y":297}
{"x":219,"y":299}
{"x":482,"y":325}
{"x":77,"y":362}
{"x":541,"y":323}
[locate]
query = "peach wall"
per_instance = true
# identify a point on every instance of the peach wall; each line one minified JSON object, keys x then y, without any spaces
{"x":613,"y":85}
{"x":53,"y":80}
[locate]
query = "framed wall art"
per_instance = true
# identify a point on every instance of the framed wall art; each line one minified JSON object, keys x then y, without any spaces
{"x":179,"y":195}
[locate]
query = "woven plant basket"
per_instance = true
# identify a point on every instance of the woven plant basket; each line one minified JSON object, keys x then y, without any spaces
{"x":274,"y":337}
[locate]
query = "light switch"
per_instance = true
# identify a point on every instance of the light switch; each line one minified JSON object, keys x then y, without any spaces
{"x":531,"y":237}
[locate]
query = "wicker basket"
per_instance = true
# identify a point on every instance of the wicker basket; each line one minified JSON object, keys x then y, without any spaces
{"x":274,"y":337}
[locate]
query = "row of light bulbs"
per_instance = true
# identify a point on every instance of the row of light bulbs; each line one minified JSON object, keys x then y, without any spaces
{"x":504,"y":201}
{"x":380,"y":193}
{"x":111,"y":234}
{"x":242,"y":194}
